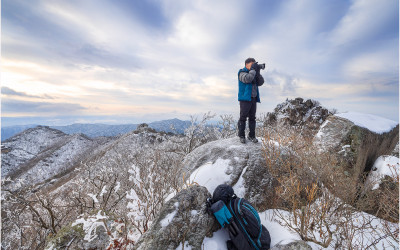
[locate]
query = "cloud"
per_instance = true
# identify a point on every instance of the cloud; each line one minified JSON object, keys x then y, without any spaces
{"x":157,"y":56}
{"x":10,"y":92}
{"x":287,"y":83}
{"x":11,"y":106}
{"x":365,"y":21}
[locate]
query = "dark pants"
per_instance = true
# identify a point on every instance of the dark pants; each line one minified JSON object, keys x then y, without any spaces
{"x":248,"y":109}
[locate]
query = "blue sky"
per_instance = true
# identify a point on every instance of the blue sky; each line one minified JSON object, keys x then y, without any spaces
{"x":156,"y":60}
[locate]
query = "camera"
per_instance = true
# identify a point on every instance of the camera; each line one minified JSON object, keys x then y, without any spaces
{"x":261,"y":65}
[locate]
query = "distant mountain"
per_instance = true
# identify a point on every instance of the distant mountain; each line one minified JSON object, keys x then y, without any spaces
{"x":7,"y":132}
{"x":165,"y":125}
{"x":96,"y":130}
{"x":40,"y":153}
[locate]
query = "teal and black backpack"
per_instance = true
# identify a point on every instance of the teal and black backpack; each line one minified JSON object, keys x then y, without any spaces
{"x":240,"y":218}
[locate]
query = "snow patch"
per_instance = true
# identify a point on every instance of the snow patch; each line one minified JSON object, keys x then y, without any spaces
{"x":118,"y":186}
{"x":211,"y":175}
{"x":103,"y":190}
{"x":239,"y":188}
{"x":385,"y":165}
{"x":278,"y":233}
{"x":170,"y":196}
{"x":217,"y":241}
{"x":93,"y":196}
{"x":90,"y":225}
{"x":374,"y":123}
{"x":187,"y":246}
{"x":320,"y":133}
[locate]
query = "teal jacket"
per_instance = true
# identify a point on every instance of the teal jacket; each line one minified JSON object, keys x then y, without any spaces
{"x":246,"y":85}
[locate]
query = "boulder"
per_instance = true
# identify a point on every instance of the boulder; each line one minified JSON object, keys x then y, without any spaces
{"x":380,"y":194}
{"x":295,"y":245}
{"x":357,"y":147}
{"x":240,"y":165}
{"x":182,"y":220}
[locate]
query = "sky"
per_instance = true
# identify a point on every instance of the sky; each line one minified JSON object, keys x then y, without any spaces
{"x":127,"y":61}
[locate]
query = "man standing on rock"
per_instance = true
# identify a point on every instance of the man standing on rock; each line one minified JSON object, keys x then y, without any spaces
{"x":249,"y":79}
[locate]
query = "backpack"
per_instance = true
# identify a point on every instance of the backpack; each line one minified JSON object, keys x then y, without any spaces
{"x":241,"y":219}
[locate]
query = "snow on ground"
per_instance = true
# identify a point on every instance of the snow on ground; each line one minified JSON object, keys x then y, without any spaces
{"x":374,"y":123}
{"x":282,"y":235}
{"x":217,"y":241}
{"x":90,"y":225}
{"x":211,"y":175}
{"x":278,"y":233}
{"x":59,"y":161}
{"x":27,"y":145}
{"x":93,"y":196}
{"x":384,"y":165}
{"x":239,"y":188}
{"x":320,"y":133}
{"x":187,"y":246}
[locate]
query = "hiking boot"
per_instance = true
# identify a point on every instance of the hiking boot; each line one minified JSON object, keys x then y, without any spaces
{"x":242,"y":139}
{"x":253,"y":139}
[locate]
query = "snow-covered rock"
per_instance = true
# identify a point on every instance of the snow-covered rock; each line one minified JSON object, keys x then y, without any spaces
{"x":240,"y":165}
{"x":357,"y":147}
{"x":295,"y":245}
{"x":308,"y":115}
{"x":381,"y":189}
{"x":385,"y":165}
{"x":373,"y":123}
{"x":178,"y":224}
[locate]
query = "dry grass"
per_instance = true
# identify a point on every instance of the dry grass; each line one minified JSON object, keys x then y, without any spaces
{"x":309,"y":183}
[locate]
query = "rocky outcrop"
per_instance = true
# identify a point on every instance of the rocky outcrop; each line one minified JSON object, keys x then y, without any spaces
{"x":245,"y":169}
{"x":183,"y":219}
{"x":308,"y":115}
{"x":357,"y":148}
{"x":295,"y":245}
{"x":144,"y":127}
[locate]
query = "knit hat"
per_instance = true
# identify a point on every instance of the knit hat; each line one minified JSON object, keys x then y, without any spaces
{"x":249,"y":60}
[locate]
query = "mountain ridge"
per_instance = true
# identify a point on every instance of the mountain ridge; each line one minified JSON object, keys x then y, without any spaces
{"x":99,"y":129}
